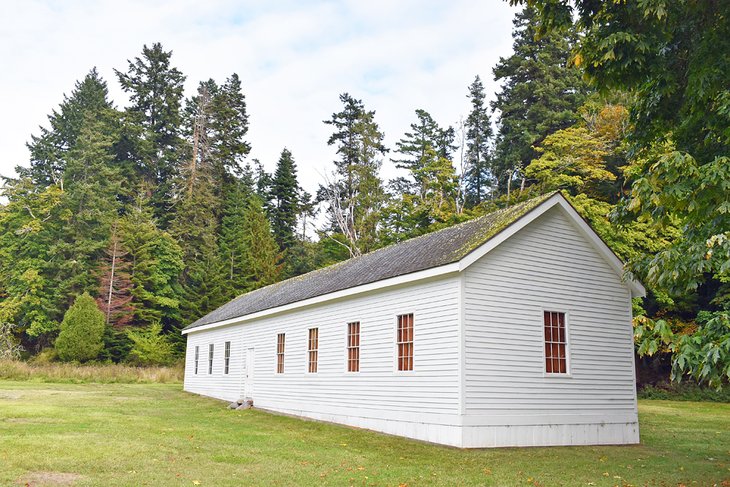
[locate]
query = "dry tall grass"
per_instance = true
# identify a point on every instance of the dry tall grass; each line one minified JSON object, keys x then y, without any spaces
{"x":102,"y":373}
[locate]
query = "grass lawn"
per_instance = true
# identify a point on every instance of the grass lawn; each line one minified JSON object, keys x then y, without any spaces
{"x":154,"y":434}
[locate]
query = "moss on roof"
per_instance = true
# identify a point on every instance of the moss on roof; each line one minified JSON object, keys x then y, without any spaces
{"x":420,"y":253}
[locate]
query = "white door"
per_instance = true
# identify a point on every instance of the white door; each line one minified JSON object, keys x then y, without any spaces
{"x":248,"y":378}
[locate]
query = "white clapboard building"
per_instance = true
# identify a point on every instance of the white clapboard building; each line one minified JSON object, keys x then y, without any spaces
{"x":513,"y":329}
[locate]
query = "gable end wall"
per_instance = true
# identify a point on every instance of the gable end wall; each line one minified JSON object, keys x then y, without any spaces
{"x":509,"y":400}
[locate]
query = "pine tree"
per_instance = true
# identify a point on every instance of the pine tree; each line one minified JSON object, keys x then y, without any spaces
{"x":262,"y":256}
{"x":540,"y":94}
{"x":49,"y":150}
{"x":82,"y":331}
{"x":430,"y":193}
{"x":478,"y":177}
{"x":355,"y":195}
{"x":233,"y":247}
{"x":156,"y":91}
{"x":88,"y":208}
{"x":230,"y":126}
{"x":285,"y":204}
{"x":156,"y":263}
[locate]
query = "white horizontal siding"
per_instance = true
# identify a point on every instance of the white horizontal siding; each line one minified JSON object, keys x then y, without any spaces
{"x":429,"y":393}
{"x":218,"y":384}
{"x":548,"y":265}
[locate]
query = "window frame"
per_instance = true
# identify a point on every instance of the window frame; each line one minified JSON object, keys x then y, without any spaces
{"x":197,"y":358}
{"x":566,"y":324}
{"x":396,"y":361}
{"x":211,"y":355}
{"x":348,"y":347}
{"x":226,"y":357}
{"x":280,"y":370}
{"x":312,"y":352}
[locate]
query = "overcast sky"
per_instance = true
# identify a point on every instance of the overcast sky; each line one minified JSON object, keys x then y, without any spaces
{"x":294,"y":59}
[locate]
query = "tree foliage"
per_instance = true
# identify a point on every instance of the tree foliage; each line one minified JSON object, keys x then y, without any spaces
{"x":665,"y":53}
{"x":82,"y":331}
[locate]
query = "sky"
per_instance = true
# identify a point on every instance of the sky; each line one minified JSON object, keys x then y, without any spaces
{"x":294,"y":58}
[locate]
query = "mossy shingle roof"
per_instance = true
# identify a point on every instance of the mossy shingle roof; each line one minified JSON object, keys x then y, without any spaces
{"x":417,"y":254}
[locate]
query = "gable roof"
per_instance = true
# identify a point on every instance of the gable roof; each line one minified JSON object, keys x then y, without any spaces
{"x":447,"y":246}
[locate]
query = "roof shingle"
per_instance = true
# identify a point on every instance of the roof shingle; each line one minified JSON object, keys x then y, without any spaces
{"x":425,"y":252}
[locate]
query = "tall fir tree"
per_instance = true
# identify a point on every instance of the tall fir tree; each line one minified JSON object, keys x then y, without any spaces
{"x":89,"y":206}
{"x":429,"y":194}
{"x":156,"y":262}
{"x":540,"y":94}
{"x":49,"y":150}
{"x":229,"y":123}
{"x":155,"y":89}
{"x":355,"y":195}
{"x":285,"y":201}
{"x":261,"y":252}
{"x":478,"y":177}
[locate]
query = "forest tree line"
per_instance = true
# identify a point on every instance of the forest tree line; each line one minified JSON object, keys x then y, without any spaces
{"x":147,"y":217}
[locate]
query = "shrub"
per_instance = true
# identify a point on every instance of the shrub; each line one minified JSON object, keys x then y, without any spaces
{"x":82,"y":331}
{"x":150,"y":347}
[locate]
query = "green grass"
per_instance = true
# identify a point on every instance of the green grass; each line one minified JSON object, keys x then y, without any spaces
{"x":154,"y":434}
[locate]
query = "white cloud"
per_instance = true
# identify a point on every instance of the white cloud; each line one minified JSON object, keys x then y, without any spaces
{"x":294,"y":59}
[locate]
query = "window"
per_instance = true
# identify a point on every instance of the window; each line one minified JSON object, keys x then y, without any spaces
{"x":405,"y":342}
{"x":210,"y":358}
{"x":556,"y":361}
{"x":353,"y":347}
{"x":280,"y":353}
{"x":197,"y":355}
{"x":226,"y":357}
{"x":313,"y":349}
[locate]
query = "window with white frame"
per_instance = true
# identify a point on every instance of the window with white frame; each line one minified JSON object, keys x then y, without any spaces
{"x":353,"y":346}
{"x":404,"y":340}
{"x":197,"y":356}
{"x":226,"y":357}
{"x":556,"y":358}
{"x":211,"y":347}
{"x":313,"y":350}
{"x":280,"y":340}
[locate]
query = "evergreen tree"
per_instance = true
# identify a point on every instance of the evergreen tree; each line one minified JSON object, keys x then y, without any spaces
{"x":82,"y":331}
{"x":232,"y":245}
{"x":115,"y":286}
{"x":540,"y":94}
{"x":156,"y":263}
{"x":262,"y":254}
{"x":49,"y":150}
{"x":355,"y":195}
{"x":430,"y":193}
{"x":229,"y":122}
{"x":156,"y":91}
{"x":88,"y":208}
{"x":479,"y":177}
{"x":285,"y":204}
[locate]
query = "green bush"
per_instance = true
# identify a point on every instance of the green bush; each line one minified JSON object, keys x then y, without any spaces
{"x":684,"y":391}
{"x":150,"y":347}
{"x":82,"y":331}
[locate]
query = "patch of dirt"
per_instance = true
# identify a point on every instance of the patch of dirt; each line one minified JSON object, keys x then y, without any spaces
{"x":39,"y":479}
